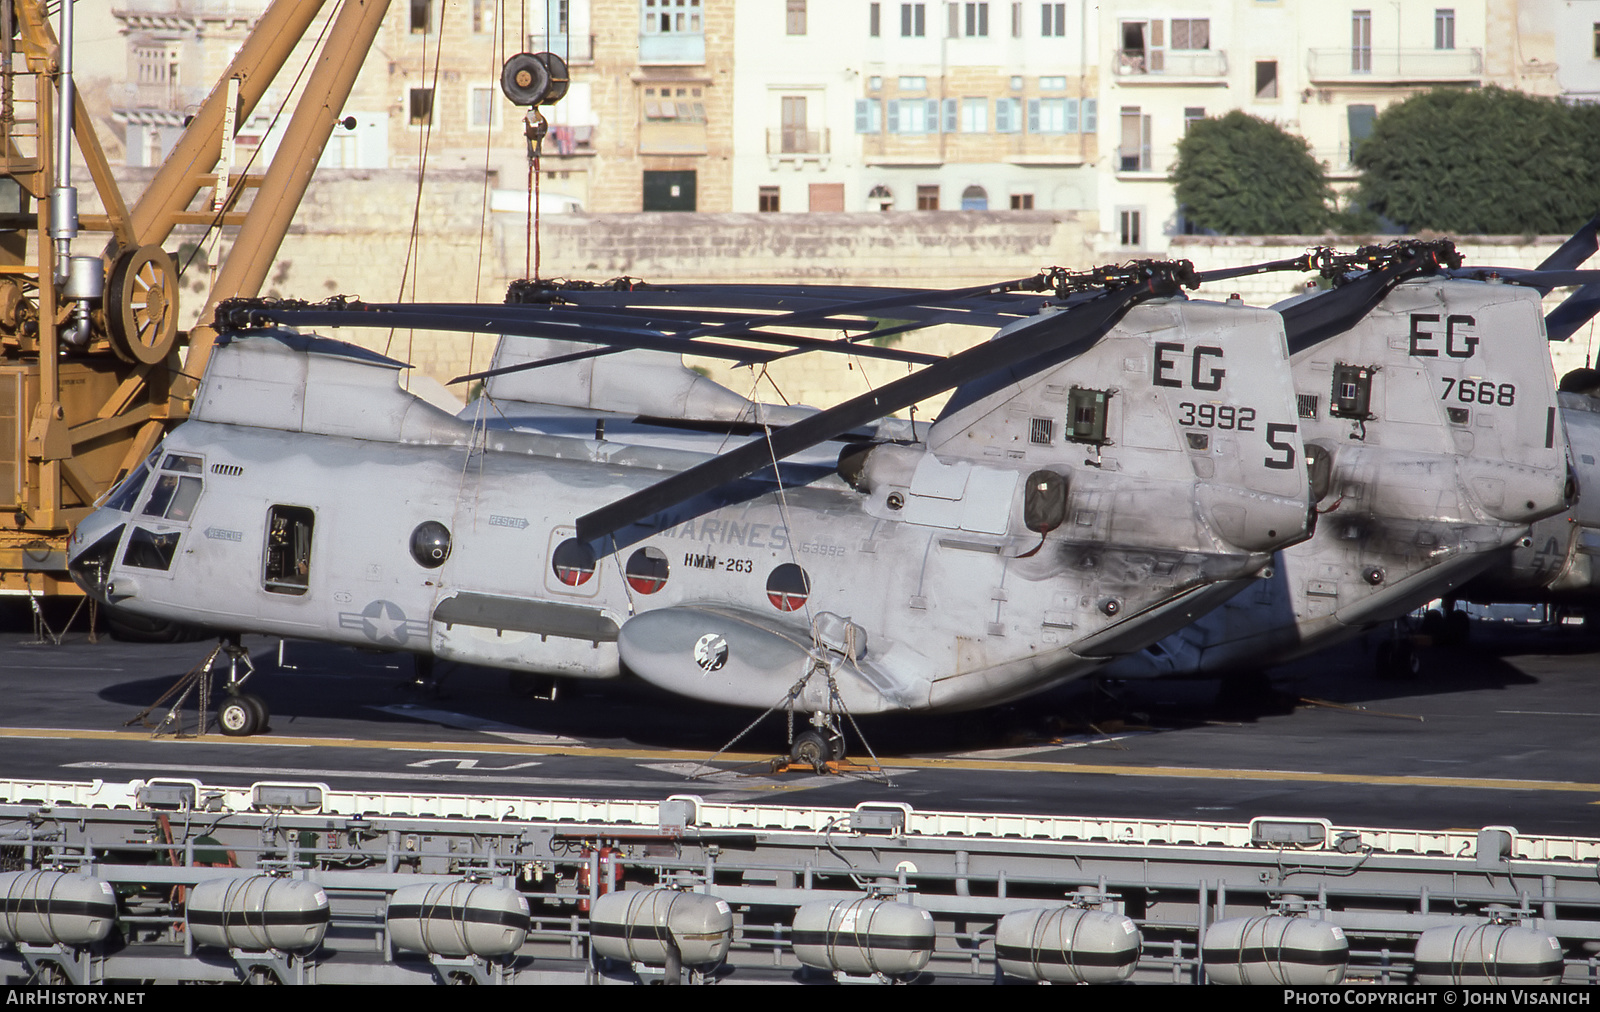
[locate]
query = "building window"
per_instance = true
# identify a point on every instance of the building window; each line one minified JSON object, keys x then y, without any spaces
{"x":1022,"y":202}
{"x":1359,"y":119}
{"x":668,"y":105}
{"x":974,"y":115}
{"x":1053,"y":20}
{"x":874,"y":19}
{"x":672,"y":17}
{"x":480,"y":99}
{"x":795,"y":22}
{"x":1129,"y":227}
{"x":869,"y":116}
{"x":1133,"y":154}
{"x":1052,"y":116}
{"x":769,"y":198}
{"x":1361,"y":42}
{"x":1007,"y":115}
{"x":421,"y":106}
{"x":927,"y":198}
{"x":1191,"y":33}
{"x":977,"y":20}
{"x":1144,"y":47}
{"x":421,"y":17}
{"x":1444,"y":28}
{"x":1016,"y":21}
{"x":913,"y":20}
{"x":1052,"y":84}
{"x":974,"y":198}
{"x":1266,"y":80}
{"x":914,"y":116}
{"x":1597,"y":40}
{"x":1191,"y":115}
{"x":880,"y":199}
{"x":795,"y":137}
{"x":483,"y":16}
{"x":913,"y":84}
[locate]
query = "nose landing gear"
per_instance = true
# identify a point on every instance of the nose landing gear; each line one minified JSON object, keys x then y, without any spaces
{"x":239,"y":715}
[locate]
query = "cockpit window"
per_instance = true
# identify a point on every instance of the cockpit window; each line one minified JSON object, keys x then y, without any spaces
{"x":183,"y":463}
{"x":127,"y":493}
{"x":150,"y":550}
{"x":173,"y":497}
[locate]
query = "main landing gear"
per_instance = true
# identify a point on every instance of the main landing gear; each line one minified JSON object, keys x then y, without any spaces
{"x":820,"y":745}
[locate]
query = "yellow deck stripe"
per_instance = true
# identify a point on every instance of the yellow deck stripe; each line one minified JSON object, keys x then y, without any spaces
{"x":741,"y":758}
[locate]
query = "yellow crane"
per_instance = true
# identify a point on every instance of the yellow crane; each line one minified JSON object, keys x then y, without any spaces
{"x":93,"y":369}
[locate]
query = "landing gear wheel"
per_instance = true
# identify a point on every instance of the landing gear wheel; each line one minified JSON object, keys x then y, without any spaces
{"x":817,"y":747}
{"x":258,"y":706}
{"x":142,"y":305}
{"x":1433,"y":625}
{"x":810,"y":748}
{"x":236,"y":717}
{"x":1397,"y":660}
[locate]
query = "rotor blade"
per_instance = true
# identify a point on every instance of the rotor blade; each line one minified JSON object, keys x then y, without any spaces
{"x":982,"y":310}
{"x":1085,"y":322}
{"x":1575,"y":250}
{"x":576,"y":356}
{"x":1540,"y":280}
{"x":563,"y":332}
{"x":1578,"y":309}
{"x":864,"y":307}
{"x":570,"y":326}
{"x":1333,"y":312}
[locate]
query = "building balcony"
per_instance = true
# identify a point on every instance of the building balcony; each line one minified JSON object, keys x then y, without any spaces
{"x":787,"y":142}
{"x":1143,"y":162}
{"x":1171,"y":66}
{"x":1394,"y":66}
{"x":672,"y":49}
{"x":575,"y":49}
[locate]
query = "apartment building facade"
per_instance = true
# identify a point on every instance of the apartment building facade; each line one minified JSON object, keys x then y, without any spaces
{"x":1320,"y":71}
{"x":844,"y":105}
{"x":792,"y":106}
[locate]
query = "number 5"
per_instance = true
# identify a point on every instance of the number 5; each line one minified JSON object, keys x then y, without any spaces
{"x":1275,"y":429}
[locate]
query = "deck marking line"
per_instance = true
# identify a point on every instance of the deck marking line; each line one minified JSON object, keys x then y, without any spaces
{"x":908,"y":763}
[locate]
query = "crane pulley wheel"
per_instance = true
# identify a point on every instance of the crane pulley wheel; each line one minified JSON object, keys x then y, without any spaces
{"x":525,"y":79}
{"x":142,"y":305}
{"x":560,"y":77}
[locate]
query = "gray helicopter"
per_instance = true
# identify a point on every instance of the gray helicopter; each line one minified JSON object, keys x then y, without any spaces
{"x":1555,"y":563}
{"x":1059,"y":512}
{"x":1435,"y":441}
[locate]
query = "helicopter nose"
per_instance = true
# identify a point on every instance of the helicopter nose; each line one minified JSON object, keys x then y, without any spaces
{"x":90,"y":567}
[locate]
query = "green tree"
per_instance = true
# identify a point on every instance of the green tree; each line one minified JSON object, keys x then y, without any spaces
{"x":1482,"y":161}
{"x":1239,"y":175}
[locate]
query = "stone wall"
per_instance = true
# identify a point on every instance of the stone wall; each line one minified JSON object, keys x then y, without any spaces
{"x":351,"y":237}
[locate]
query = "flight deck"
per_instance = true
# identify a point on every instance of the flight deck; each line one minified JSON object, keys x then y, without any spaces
{"x":1494,"y":733}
